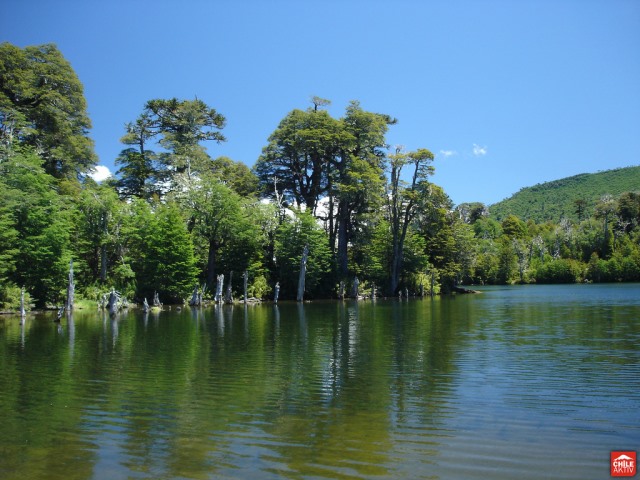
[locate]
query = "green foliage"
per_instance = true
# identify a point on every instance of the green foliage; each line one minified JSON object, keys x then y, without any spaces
{"x":291,"y":238}
{"x":513,"y":227}
{"x":170,"y":256}
{"x":42,"y":105}
{"x":259,"y":287}
{"x":557,"y":199}
{"x":10,"y":298}
{"x":561,"y":270}
{"x":38,"y":224}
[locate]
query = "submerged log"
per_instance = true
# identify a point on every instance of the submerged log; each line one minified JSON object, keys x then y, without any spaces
{"x":464,"y":290}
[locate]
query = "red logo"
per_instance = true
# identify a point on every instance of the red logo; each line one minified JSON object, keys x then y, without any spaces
{"x":623,"y":464}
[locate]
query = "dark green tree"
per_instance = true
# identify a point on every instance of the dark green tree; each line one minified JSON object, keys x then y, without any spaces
{"x":39,"y":221}
{"x":171,"y":267}
{"x":42,"y":105}
{"x":403,"y":201}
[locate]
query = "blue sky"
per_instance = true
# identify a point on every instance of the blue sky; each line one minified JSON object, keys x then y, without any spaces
{"x":507,"y":94}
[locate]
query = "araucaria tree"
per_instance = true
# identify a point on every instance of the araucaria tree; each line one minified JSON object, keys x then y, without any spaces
{"x":178,"y":128}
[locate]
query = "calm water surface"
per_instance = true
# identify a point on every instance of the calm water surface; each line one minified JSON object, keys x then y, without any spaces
{"x":517,"y":382}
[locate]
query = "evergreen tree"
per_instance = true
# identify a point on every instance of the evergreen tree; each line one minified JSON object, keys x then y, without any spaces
{"x":170,"y":259}
{"x":42,"y":105}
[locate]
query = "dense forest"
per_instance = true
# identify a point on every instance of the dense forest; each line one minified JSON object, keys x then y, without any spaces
{"x":558,"y":199}
{"x":175,"y":217}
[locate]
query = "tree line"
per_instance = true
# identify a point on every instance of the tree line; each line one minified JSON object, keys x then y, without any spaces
{"x":176,"y":217}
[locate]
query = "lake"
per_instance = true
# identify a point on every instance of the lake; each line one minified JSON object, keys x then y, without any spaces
{"x":522,"y":382}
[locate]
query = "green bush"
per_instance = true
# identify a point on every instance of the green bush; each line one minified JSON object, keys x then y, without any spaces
{"x":10,"y":298}
{"x":561,"y":270}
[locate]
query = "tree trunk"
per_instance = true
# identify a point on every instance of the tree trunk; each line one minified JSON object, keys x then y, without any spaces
{"x":303,"y":272}
{"x":22,"y":310}
{"x":245,"y":279}
{"x":394,"y":278}
{"x":228,"y":297}
{"x":219,"y":286}
{"x":342,"y":247}
{"x":71,"y":288}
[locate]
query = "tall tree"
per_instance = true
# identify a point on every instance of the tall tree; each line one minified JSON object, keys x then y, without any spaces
{"x":178,"y":127}
{"x":138,"y":161}
{"x":403,"y":200}
{"x":183,"y":125}
{"x":356,"y":178}
{"x":42,"y":105}
{"x":312,"y":156}
{"x":298,"y":156}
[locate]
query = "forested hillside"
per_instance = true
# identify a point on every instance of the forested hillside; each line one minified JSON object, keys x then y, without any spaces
{"x":573,"y":198}
{"x":326,"y":196}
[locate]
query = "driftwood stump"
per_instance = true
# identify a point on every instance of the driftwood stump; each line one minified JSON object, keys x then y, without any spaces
{"x":228,"y":296}
{"x":219,"y":286}
{"x":71,"y":288}
{"x":356,"y":288}
{"x":195,"y":298}
{"x":245,"y":280}
{"x":23,"y":312}
{"x":303,"y":273}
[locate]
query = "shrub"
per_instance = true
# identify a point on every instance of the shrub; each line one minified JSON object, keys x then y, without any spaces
{"x":561,"y":270}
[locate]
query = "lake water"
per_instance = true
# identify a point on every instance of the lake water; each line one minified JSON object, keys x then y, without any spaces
{"x":516,"y":382}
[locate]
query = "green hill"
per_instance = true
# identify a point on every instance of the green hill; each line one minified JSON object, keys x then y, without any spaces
{"x":556,"y":199}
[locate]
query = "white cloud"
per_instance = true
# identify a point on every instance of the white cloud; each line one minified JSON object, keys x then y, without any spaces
{"x":479,"y":151}
{"x":100,"y":173}
{"x":447,"y":153}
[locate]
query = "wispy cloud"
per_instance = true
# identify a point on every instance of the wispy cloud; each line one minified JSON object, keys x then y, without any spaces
{"x":100,"y":173}
{"x":447,"y":153}
{"x":479,"y":151}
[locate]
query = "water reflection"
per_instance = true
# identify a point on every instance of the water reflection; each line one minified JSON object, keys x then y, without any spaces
{"x":331,"y":389}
